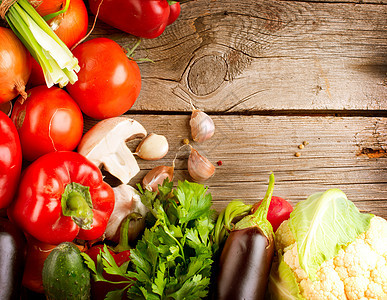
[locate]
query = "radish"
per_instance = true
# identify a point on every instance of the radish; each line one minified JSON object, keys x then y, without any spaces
{"x":279,"y":211}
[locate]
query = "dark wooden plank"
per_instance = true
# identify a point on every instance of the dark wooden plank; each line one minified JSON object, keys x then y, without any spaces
{"x":346,"y":153}
{"x":233,"y":56}
{"x":266,"y":55}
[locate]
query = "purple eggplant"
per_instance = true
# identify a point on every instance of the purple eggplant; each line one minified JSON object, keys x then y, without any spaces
{"x":12,"y":257}
{"x":247,"y":255}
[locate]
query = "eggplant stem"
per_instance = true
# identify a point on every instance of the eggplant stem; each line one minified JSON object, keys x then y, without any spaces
{"x":259,"y":217}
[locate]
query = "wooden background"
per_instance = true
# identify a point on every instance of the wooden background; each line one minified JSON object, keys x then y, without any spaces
{"x":272,"y":74}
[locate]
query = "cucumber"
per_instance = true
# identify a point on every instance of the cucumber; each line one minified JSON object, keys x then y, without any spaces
{"x":65,"y":275}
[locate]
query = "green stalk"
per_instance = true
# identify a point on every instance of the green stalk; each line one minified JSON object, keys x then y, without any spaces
{"x":58,"y":63}
{"x":235,"y":208}
{"x":55,"y":14}
{"x":259,"y":217}
{"x":123,"y":244}
{"x":76,"y":203}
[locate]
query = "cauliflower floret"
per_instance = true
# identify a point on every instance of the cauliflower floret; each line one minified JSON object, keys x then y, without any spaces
{"x":358,"y":271}
{"x":328,"y":287}
{"x":376,"y":236}
{"x":283,"y":236}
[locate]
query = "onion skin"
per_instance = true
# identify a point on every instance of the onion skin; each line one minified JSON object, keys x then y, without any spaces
{"x":71,"y":26}
{"x":15,"y":66}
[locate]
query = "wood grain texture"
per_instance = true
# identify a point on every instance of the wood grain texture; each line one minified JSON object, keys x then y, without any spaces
{"x":346,"y":153}
{"x":232,"y":56}
{"x":249,"y":64}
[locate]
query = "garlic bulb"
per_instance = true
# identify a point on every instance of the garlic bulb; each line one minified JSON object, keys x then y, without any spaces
{"x":153,"y":147}
{"x":199,"y":167}
{"x":127,"y":200}
{"x":156,"y":177}
{"x":202,"y":126}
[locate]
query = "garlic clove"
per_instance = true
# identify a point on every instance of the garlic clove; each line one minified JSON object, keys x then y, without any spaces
{"x":156,"y":177}
{"x":127,"y":201}
{"x":153,"y":147}
{"x":202,"y":126}
{"x":199,"y":167}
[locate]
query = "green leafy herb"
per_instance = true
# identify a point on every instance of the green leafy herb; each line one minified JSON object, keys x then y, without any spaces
{"x":174,"y":257}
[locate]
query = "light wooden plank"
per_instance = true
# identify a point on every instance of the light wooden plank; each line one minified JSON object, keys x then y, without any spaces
{"x":346,"y":153}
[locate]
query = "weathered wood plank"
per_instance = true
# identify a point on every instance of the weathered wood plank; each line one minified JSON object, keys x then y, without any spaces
{"x":266,"y":55}
{"x":347,"y":153}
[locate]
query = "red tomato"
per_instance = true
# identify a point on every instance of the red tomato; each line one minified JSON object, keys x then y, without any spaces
{"x":49,"y":120}
{"x":37,"y":76}
{"x":70,"y":27}
{"x":279,"y":211}
{"x":10,"y":160}
{"x":108,"y":82}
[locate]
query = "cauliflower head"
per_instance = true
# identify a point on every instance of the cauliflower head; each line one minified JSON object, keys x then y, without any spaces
{"x":357,"y":272}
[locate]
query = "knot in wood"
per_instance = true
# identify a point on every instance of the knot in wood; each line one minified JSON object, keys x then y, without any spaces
{"x":207,"y":74}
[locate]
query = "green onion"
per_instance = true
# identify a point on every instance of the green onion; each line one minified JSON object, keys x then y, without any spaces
{"x":58,"y":63}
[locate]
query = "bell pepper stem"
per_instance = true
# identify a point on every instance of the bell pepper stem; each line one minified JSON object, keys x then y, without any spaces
{"x":76,"y":203}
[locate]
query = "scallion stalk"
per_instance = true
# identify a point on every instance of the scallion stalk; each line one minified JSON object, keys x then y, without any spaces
{"x":58,"y":63}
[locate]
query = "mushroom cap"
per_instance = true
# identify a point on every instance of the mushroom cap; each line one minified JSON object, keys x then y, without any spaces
{"x":105,"y":145}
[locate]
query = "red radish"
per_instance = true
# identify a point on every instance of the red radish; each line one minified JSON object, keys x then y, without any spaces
{"x":279,"y":211}
{"x":15,"y":66}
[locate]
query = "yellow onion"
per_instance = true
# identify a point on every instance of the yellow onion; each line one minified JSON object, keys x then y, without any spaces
{"x":15,"y":66}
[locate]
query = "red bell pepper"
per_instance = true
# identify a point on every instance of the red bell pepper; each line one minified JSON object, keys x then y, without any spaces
{"x":37,"y":253}
{"x":121,"y":255}
{"x":174,"y":11}
{"x":62,"y":196}
{"x":10,"y":160}
{"x":142,"y":18}
{"x":99,"y":289}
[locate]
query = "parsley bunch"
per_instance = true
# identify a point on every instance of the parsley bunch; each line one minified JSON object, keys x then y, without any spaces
{"x":174,"y":257}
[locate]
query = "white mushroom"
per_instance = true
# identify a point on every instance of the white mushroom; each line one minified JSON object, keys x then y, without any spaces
{"x":105,"y":145}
